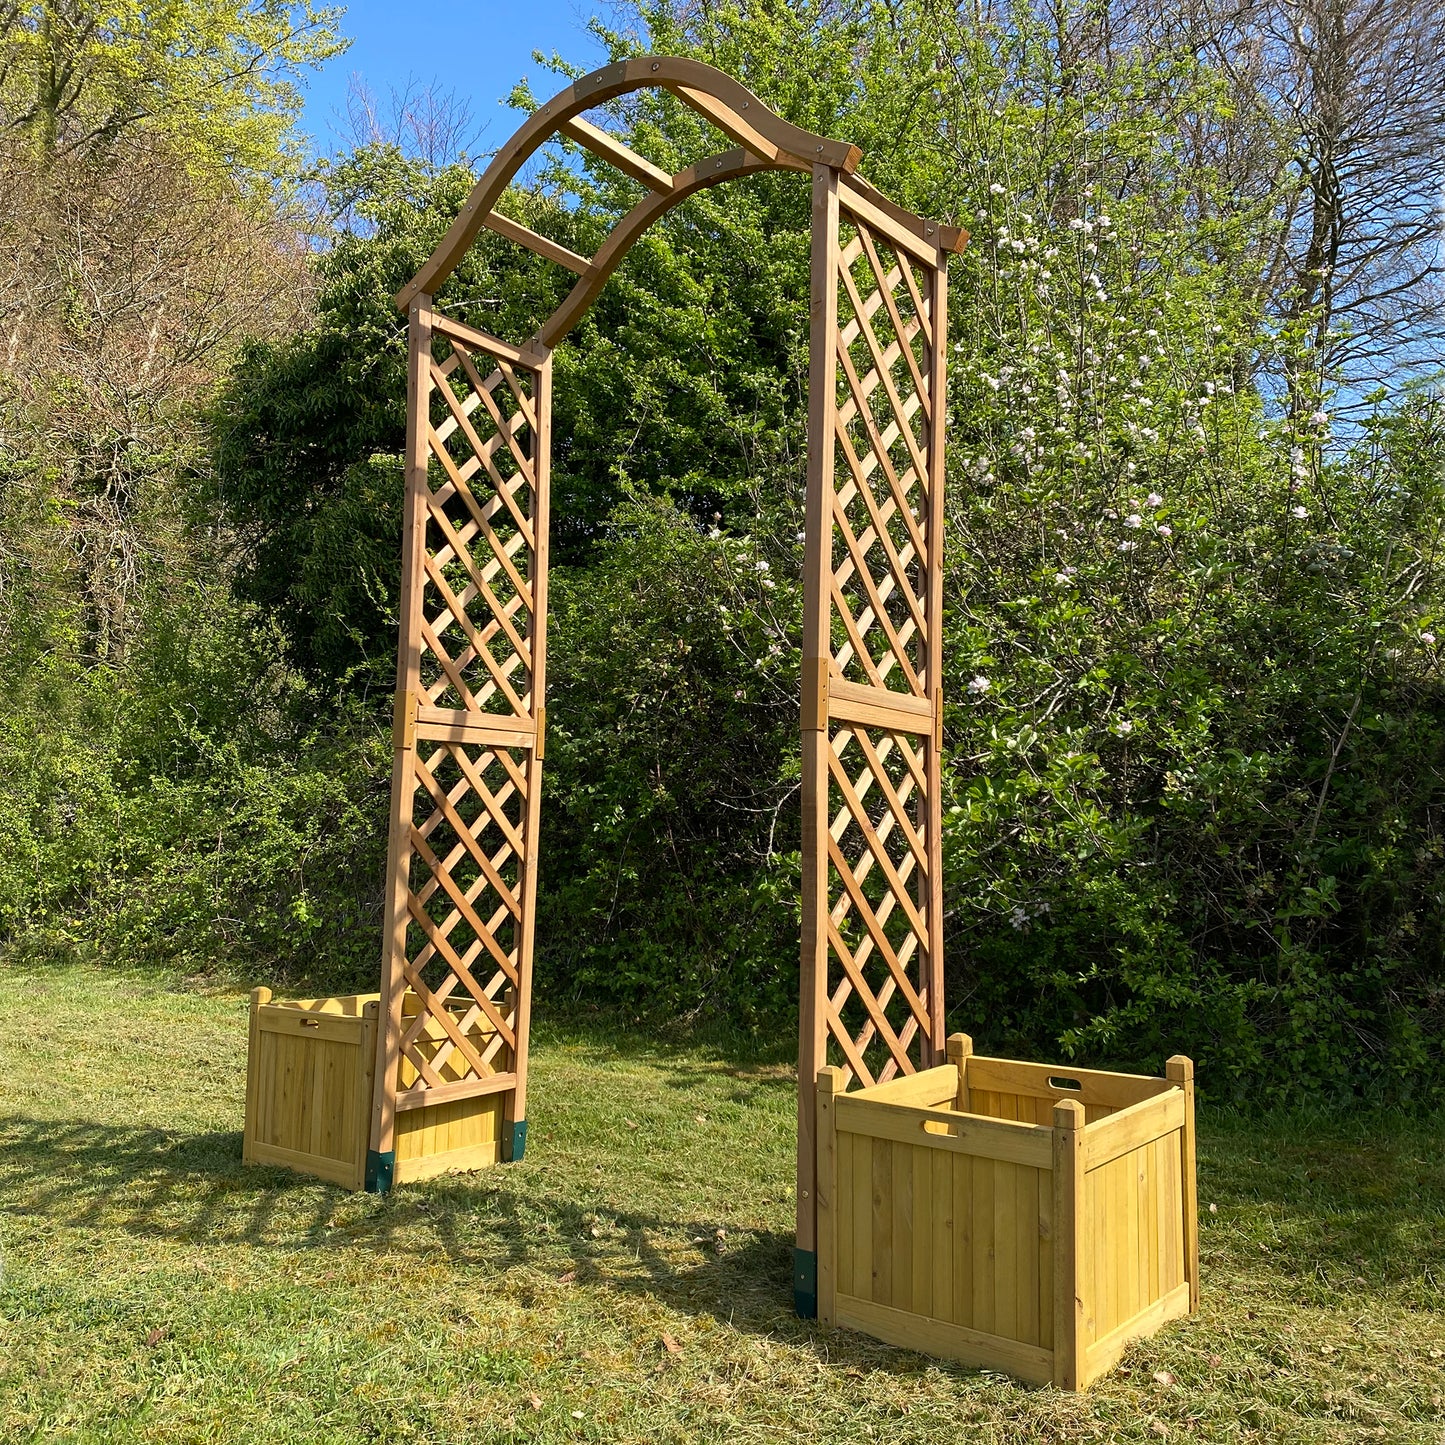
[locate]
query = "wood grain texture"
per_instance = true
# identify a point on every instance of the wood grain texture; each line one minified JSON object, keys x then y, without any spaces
{"x":999,"y":1240}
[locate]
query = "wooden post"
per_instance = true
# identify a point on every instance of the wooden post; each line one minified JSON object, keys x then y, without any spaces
{"x":1068,"y":1244}
{"x":831,"y":1082}
{"x":514,"y":1135}
{"x":933,"y":605}
{"x":960,"y":1050}
{"x":366,"y":1082}
{"x":1180,"y":1070}
{"x":817,"y":650}
{"x":381,"y":1156}
{"x":259,"y":997}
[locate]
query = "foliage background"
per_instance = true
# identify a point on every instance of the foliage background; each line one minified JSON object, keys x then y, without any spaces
{"x":1195,"y":728}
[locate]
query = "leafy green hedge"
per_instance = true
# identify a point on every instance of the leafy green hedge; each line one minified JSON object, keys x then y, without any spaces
{"x":1194,"y":735}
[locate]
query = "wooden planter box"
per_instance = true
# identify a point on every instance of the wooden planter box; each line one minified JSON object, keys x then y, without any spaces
{"x":1020,"y":1217}
{"x":309,"y":1082}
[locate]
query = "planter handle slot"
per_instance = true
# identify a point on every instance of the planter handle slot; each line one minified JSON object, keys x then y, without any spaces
{"x":1072,"y":1085}
{"x":310,"y":1023}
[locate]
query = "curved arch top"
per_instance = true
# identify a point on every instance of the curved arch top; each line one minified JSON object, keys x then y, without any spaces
{"x":765,"y":142}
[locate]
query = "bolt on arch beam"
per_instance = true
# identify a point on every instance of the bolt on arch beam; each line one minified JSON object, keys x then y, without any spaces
{"x":718,"y":98}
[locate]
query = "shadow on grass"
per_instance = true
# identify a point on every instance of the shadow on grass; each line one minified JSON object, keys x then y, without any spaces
{"x":192,"y":1189}
{"x":1348,"y":1205}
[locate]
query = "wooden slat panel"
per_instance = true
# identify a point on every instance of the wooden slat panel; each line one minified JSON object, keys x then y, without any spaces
{"x":1044,"y":1296}
{"x":1127,"y":1129}
{"x":879,"y":707}
{"x":929,"y":1088}
{"x":942,"y":1231}
{"x":1104,"y":1353}
{"x":1098,"y":1087}
{"x":925,"y":1266}
{"x":937,"y":1337}
{"x":987,"y":1138}
{"x":863,"y":1281}
{"x":1026,"y":1228}
{"x":881,"y":1213}
{"x":985,"y":1180}
{"x":1006,"y":1263}
{"x":467,"y":1088}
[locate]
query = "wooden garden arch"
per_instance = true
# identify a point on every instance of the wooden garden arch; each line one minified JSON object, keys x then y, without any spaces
{"x":470,"y":709}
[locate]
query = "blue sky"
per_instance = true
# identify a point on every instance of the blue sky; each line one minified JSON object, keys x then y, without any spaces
{"x":478,"y":48}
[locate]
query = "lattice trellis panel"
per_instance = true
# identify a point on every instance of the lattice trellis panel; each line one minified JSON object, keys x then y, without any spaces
{"x":879,"y":582}
{"x":465,"y":900}
{"x":871,"y":766}
{"x":878,"y":928}
{"x":469,"y":726}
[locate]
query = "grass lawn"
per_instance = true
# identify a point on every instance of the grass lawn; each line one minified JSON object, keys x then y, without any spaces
{"x":630,"y":1279}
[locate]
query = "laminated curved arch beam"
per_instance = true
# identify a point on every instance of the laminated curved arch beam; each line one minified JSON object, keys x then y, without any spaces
{"x":765,"y":142}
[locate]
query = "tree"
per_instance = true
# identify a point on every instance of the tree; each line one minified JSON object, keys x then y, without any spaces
{"x":1337,"y":122}
{"x":217,"y":81}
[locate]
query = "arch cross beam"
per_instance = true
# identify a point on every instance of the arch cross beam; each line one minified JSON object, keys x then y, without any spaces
{"x":470,"y":722}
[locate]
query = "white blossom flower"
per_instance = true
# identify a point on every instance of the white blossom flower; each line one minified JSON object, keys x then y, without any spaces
{"x":1428,"y":638}
{"x":995,"y":189}
{"x":978,"y":685}
{"x":1133,"y":520}
{"x":1063,"y":579}
{"x":1019,"y":246}
{"x":1154,"y":499}
{"x":768,"y":584}
{"x":1300,"y":512}
{"x":762,"y":566}
{"x":1164,"y":529}
{"x":1124,"y":728}
{"x":1127,"y":546}
{"x":1320,"y":418}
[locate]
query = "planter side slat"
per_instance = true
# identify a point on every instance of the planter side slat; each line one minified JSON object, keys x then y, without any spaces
{"x":939,"y":1337}
{"x":1096,"y":1086}
{"x":983,"y":1138}
{"x":1127,"y":1129}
